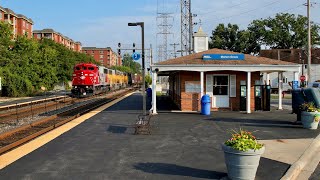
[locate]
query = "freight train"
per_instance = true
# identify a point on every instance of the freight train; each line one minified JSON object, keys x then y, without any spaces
{"x":90,"y":79}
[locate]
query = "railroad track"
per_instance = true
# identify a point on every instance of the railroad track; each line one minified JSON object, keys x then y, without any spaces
{"x":23,"y":134}
{"x":11,"y":114}
{"x":29,"y":103}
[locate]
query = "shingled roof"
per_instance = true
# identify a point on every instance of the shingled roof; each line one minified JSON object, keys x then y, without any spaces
{"x":197,"y":59}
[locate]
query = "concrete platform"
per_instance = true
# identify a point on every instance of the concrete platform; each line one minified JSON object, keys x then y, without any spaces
{"x":181,"y":145}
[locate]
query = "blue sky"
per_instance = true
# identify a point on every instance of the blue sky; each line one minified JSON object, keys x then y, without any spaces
{"x":103,"y":23}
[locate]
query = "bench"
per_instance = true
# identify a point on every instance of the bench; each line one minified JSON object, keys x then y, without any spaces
{"x":142,"y":126}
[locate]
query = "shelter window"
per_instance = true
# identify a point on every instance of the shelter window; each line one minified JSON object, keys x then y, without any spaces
{"x":220,"y":85}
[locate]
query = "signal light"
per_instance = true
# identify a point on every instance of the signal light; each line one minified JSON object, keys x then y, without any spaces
{"x":134,"y":45}
{"x":119,"y":51}
{"x":119,"y":44}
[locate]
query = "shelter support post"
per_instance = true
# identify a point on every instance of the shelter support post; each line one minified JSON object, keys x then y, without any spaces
{"x":295,"y":76}
{"x":154,"y":92}
{"x":267,"y":80}
{"x":248,"y":92}
{"x":280,"y":80}
{"x":201,"y":84}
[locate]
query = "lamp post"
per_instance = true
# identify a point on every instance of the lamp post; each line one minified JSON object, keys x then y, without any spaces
{"x":143,"y":65}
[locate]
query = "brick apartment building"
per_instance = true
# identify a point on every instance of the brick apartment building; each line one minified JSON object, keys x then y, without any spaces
{"x":2,"y":11}
{"x":106,"y":56}
{"x":21,"y":25}
{"x":58,"y":38}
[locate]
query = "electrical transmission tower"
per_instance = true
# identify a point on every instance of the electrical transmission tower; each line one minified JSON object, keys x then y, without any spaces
{"x":186,"y":27}
{"x":164,"y":23}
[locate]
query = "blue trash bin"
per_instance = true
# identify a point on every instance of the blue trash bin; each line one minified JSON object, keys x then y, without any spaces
{"x":205,"y":105}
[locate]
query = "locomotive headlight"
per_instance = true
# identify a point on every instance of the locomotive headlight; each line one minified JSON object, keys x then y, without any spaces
{"x":86,"y":86}
{"x":82,"y":77}
{"x":86,"y":74}
{"x":90,"y":74}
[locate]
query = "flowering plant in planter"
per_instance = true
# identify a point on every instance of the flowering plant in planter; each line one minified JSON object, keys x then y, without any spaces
{"x":242,"y":150}
{"x":309,"y":107}
{"x":243,"y":140}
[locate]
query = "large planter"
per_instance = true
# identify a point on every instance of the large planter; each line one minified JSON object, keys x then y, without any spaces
{"x":242,"y":165}
{"x":308,"y":120}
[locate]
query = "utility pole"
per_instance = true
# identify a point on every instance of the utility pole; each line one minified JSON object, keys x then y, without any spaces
{"x":302,"y":60}
{"x":309,"y":43}
{"x":174,"y":49}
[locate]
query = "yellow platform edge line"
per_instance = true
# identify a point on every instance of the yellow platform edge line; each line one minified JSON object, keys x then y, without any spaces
{"x":12,"y":156}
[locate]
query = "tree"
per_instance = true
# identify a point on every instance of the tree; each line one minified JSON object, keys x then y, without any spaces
{"x":27,"y":64}
{"x":232,"y":39}
{"x":128,"y":62}
{"x":284,"y":31}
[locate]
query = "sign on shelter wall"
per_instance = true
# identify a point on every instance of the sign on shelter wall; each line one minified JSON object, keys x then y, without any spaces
{"x":193,"y":86}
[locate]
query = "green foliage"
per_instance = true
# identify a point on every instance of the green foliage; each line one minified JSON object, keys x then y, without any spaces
{"x":128,"y":62}
{"x":284,"y":31}
{"x":309,"y":107}
{"x":28,"y":64}
{"x":232,"y":39}
{"x":148,"y":80}
{"x":243,"y":141}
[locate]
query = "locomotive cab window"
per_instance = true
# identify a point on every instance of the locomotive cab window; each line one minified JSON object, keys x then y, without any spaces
{"x":91,"y":68}
{"x":84,"y":68}
{"x":77,"y":68}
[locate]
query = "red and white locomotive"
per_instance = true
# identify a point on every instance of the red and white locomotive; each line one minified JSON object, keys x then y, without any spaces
{"x":89,"y":79}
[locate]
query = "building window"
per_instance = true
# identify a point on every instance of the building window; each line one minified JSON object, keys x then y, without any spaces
{"x":92,"y":52}
{"x":23,"y":23}
{"x":101,"y":56}
{"x":101,"y":52}
{"x":101,"y":61}
{"x":1,"y":15}
{"x":220,"y":85}
{"x":27,"y":26}
{"x":38,"y":36}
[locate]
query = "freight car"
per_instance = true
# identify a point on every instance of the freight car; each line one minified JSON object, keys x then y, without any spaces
{"x":90,"y":79}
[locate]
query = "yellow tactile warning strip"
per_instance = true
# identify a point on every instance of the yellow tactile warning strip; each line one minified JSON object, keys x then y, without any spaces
{"x":25,"y":149}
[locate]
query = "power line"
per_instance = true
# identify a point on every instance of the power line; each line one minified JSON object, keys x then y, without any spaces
{"x":224,"y":8}
{"x":269,"y":4}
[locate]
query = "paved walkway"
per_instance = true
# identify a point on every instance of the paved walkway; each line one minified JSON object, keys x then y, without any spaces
{"x":181,"y":146}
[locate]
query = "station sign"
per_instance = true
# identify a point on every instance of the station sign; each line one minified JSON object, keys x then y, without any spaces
{"x":223,"y":57}
{"x":136,"y":56}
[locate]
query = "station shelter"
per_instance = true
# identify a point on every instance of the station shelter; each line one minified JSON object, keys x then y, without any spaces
{"x":227,"y":77}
